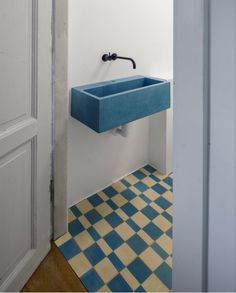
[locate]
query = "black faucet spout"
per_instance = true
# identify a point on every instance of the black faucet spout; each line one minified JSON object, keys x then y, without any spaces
{"x":114,"y":56}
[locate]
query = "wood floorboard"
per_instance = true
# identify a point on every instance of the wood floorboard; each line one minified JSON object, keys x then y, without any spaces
{"x":54,"y":275}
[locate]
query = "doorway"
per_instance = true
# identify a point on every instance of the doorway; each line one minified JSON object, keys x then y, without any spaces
{"x":196,"y":15}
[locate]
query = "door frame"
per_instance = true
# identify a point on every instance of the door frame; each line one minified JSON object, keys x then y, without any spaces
{"x":60,"y":96}
{"x":191,"y":69}
{"x":191,"y":145}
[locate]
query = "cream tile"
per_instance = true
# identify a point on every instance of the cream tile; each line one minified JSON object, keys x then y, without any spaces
{"x":151,"y":258}
{"x":135,"y":190}
{"x":125,"y":231}
{"x":102,"y":227}
{"x":131,"y":179}
{"x":130,"y":279}
{"x":103,"y":195}
{"x":154,"y":284}
{"x":119,"y":186}
{"x":140,"y":219}
{"x":145,"y":172}
{"x":156,"y":207}
{"x":104,"y":209}
{"x":71,"y":217}
{"x":125,"y":254}
{"x":166,"y":186}
{"x":104,"y":247}
{"x":160,"y":175}
{"x":122,"y":214}
{"x":106,"y":270}
{"x":151,"y":194}
{"x":104,"y":289}
{"x":149,"y":181}
{"x":119,"y":200}
{"x":166,"y":243}
{"x":162,"y":223}
{"x":145,"y":237}
{"x":63,"y":239}
{"x":169,"y":196}
{"x":84,"y":240}
{"x":80,"y":264}
{"x":138,"y":203}
{"x":170,"y":211}
{"x":83,"y":220}
{"x":169,"y":261}
{"x":84,"y":206}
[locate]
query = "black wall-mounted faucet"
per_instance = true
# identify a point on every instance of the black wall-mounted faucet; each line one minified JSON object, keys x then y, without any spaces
{"x":114,"y":56}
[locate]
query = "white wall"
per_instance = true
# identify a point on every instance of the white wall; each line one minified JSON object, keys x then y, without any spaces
{"x":222,"y":202}
{"x":141,"y":29}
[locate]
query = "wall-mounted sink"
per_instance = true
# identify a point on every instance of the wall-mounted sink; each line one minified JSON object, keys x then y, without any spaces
{"x":107,"y":105}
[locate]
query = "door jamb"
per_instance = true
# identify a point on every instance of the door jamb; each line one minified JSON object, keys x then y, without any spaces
{"x":60,"y":98}
{"x":191,"y":145}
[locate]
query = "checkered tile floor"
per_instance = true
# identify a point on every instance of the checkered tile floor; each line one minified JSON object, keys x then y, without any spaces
{"x":120,"y":239}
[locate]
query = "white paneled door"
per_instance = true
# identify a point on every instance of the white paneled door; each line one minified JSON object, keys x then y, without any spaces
{"x":25,"y":131}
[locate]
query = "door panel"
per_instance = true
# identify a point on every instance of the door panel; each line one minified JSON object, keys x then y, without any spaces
{"x":16,"y":207}
{"x":15,"y":60}
{"x":25,"y":138}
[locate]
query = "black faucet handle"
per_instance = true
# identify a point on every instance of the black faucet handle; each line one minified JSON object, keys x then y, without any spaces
{"x":106,"y":57}
{"x":114,"y":56}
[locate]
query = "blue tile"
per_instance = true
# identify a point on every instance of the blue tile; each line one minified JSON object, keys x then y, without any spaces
{"x":129,"y":209}
{"x":150,"y":169}
{"x":69,"y":249}
{"x":159,"y":189}
{"x":140,"y":271}
{"x":118,"y":284}
{"x":95,"y":200}
{"x":92,"y":281}
{"x":94,"y":254}
{"x":145,"y":198}
{"x":159,"y":251}
{"x":137,"y":244}
{"x":128,"y":194}
{"x":126,"y":183}
{"x":133,"y":225}
{"x":113,"y":240}
{"x":93,"y":233}
{"x":170,"y":233}
{"x":153,"y":231}
{"x":114,"y":220}
{"x":76,"y":211}
{"x":116,"y":262}
{"x":110,"y":191}
{"x":155,"y":178}
{"x":141,"y":186}
{"x":167,"y":216}
{"x":163,"y":203}
{"x":75,"y":227}
{"x":164,"y":273}
{"x":139,"y":174}
{"x":140,"y":289}
{"x":112,"y":204}
{"x":150,"y":213}
{"x":169,"y":181}
{"x":93,"y":216}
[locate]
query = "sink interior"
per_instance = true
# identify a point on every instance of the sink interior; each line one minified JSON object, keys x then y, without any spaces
{"x":119,"y":87}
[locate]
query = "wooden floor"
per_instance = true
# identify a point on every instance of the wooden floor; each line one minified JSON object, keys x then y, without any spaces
{"x":54,"y":275}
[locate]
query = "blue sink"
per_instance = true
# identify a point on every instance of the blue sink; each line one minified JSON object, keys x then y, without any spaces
{"x":107,"y":105}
